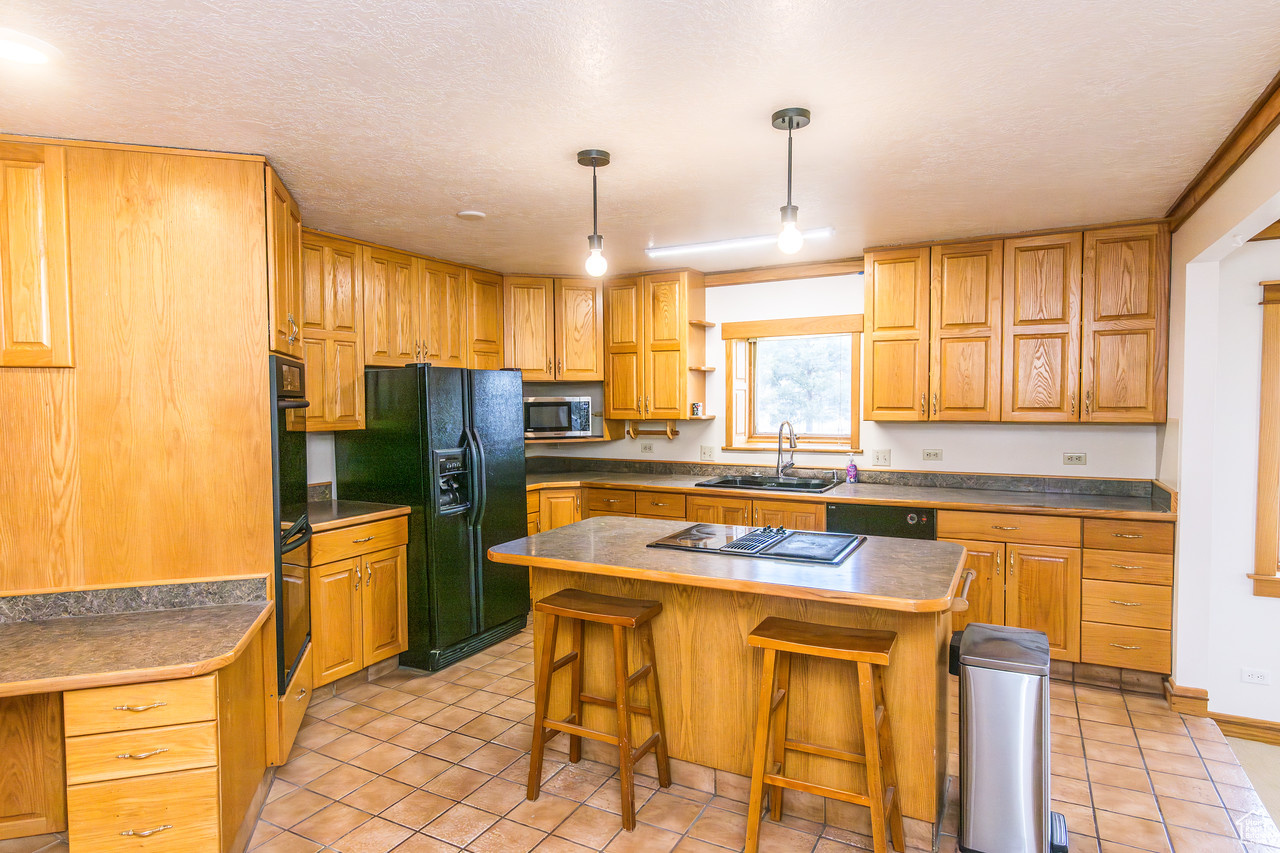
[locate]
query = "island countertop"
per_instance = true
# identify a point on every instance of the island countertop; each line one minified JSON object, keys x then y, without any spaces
{"x":911,"y":575}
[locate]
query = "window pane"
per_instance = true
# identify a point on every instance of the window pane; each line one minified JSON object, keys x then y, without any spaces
{"x":805,"y":380}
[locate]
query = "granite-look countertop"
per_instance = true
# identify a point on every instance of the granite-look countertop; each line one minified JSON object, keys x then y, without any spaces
{"x":890,"y":574}
{"x":332,"y":515}
{"x":1042,"y":503}
{"x":53,"y":655}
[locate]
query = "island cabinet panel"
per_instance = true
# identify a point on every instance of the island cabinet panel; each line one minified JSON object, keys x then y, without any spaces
{"x":558,"y":507}
{"x":660,"y":504}
{"x":1042,"y":592}
{"x":332,"y":332}
{"x":1125,"y":328}
{"x":391,"y":308}
{"x":986,"y":591}
{"x":35,"y":270}
{"x":709,"y":510}
{"x":793,"y":515}
{"x":94,"y":758}
{"x":284,"y":268}
{"x":611,"y":502}
{"x":186,"y":803}
{"x":1041,"y":376}
{"x":896,"y":319}
{"x":484,"y":320}
{"x":965,"y":329}
{"x":530,"y":326}
{"x":31,"y":765}
{"x":623,"y":350}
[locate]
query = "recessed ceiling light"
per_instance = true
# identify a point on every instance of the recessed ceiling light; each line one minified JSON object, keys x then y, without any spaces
{"x":734,"y":243}
{"x":471,"y":215}
{"x":29,"y":50}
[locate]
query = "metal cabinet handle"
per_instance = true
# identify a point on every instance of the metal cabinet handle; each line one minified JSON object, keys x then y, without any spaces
{"x":293,"y":336}
{"x":1073,"y":404}
{"x":922,"y":409}
{"x":613,"y":500}
{"x":998,"y":555}
{"x":145,"y":833}
{"x":368,"y":576}
{"x":1126,"y":603}
{"x":137,"y":708}
{"x":549,"y":366}
{"x":142,"y":755}
{"x":1088,"y":402}
{"x":358,"y":541}
{"x":998,"y":527}
{"x":1123,"y":566}
{"x":658,"y":503}
{"x":639,"y":407}
{"x":935,"y":404}
{"x":1127,"y":535}
{"x":302,"y":691}
{"x":559,"y":365}
{"x":646,"y":404}
{"x":1127,"y":648}
{"x":357,"y":577}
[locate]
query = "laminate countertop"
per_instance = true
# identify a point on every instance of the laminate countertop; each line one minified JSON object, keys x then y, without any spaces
{"x":910,"y":575}
{"x":52,"y":655}
{"x":332,"y":515}
{"x":991,"y":500}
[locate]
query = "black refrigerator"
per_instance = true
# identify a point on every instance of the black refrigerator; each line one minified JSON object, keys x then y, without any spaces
{"x":449,"y":443}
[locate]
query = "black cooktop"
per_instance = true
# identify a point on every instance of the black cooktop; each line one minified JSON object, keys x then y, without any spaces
{"x":773,"y":543}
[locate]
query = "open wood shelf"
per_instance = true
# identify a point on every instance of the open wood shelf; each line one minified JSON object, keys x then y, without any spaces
{"x":703,"y":368}
{"x":701,"y":417}
{"x":703,"y":323}
{"x":568,"y":440}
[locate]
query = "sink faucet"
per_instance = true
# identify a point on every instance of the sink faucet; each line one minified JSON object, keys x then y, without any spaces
{"x":783,"y":467}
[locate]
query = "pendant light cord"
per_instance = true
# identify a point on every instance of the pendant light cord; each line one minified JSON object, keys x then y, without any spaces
{"x":788,"y":164}
{"x":595,"y":225}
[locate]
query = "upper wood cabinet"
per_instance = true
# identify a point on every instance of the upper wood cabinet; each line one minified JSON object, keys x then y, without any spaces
{"x":1042,"y":328}
{"x":35,"y":279}
{"x":391,"y":308}
{"x":623,"y":349}
{"x":555,"y":328}
{"x":284,"y":268}
{"x":965,"y":326}
{"x":1124,"y":361}
{"x":896,"y":313}
{"x":443,"y":322}
{"x":332,"y":332}
{"x":484,"y":320}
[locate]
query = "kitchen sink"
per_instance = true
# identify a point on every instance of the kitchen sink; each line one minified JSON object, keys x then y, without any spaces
{"x":781,"y":484}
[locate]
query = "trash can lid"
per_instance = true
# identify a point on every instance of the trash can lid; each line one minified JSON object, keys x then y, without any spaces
{"x":1006,"y":649}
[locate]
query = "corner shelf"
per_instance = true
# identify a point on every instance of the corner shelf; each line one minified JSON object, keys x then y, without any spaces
{"x":700,"y":418}
{"x":703,"y":368}
{"x":703,"y":323}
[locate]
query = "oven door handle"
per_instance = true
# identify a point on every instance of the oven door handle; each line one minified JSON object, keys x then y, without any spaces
{"x":292,"y":404}
{"x":302,"y":529}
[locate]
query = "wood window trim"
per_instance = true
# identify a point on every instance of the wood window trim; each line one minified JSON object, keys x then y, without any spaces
{"x":1266,"y":569}
{"x":739,"y":381}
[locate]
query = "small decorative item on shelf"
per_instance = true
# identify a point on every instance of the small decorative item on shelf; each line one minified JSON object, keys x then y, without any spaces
{"x":697,"y":410}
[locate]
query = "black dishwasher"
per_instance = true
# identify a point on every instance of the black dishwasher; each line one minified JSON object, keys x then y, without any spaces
{"x":878,"y":520}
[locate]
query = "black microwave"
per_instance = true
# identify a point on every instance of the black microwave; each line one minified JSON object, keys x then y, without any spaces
{"x":557,"y":417}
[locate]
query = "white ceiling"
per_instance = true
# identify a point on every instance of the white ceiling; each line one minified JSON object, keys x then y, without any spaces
{"x":931,"y":119}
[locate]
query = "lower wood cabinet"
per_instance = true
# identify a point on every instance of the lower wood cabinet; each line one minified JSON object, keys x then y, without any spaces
{"x":31,"y":750}
{"x":1127,"y":595}
{"x":709,"y":510}
{"x":558,"y":507}
{"x":793,"y":515}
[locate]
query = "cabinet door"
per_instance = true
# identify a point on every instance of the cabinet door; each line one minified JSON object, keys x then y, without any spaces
{"x":708,"y":510}
{"x":1042,"y":592}
{"x":337,"y":636}
{"x":333,"y":309}
{"x":793,"y":515}
{"x":1041,"y":376}
{"x":385,"y":609}
{"x":1125,"y":331}
{"x":391,"y":299}
{"x":529,"y":327}
{"x":443,"y":323}
{"x":623,"y":345}
{"x":35,"y":281}
{"x":484,"y":320}
{"x":558,"y":507}
{"x":32,"y":765}
{"x":897,"y":324}
{"x":579,"y":329}
{"x":284,"y":268}
{"x":965,"y":325}
{"x":344,"y":386}
{"x":986,"y":592}
{"x":666,"y":334}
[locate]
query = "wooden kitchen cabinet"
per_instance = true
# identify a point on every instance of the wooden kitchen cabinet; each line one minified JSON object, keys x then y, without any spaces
{"x":35,"y":268}
{"x":711,"y":510}
{"x":484,"y":320}
{"x":558,"y":507}
{"x":1042,"y":592}
{"x":31,"y":763}
{"x":332,"y":332}
{"x":1127,"y":594}
{"x":530,"y":321}
{"x":896,"y":320}
{"x":284,"y":268}
{"x":442,"y":327}
{"x":793,"y":515}
{"x":986,"y":591}
{"x":555,"y":328}
{"x":391,"y":308}
{"x":965,"y":325}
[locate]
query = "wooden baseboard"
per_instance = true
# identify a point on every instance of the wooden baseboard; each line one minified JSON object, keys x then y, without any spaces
{"x":1263,"y":731}
{"x":244,"y":834}
{"x":1187,"y":700}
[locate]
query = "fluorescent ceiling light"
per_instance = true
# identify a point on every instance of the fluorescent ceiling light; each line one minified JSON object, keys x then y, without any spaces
{"x":29,"y":50}
{"x":735,"y":243}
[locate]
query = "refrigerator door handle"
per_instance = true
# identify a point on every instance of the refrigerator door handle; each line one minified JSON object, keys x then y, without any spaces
{"x":479,"y":493}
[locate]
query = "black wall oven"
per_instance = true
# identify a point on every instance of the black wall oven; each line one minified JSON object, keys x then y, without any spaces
{"x":292,"y":528}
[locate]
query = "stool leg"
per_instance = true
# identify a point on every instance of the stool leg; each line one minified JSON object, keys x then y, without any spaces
{"x":871,"y":749}
{"x":575,"y":692}
{"x":890,"y":768}
{"x":761,"y":754}
{"x":661,"y":757}
{"x":542,"y":696}
{"x":625,"y":770}
{"x":780,"y":732}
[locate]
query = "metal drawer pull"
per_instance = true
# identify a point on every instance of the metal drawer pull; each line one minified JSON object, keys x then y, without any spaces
{"x":137,"y":708}
{"x":358,"y":541}
{"x":659,"y":503}
{"x":1127,"y":648}
{"x":1123,"y":566}
{"x":998,"y":527}
{"x":302,"y":691}
{"x":142,"y":755}
{"x":613,"y":500}
{"x":146,"y":833}
{"x":1126,"y":603}
{"x":1127,"y":535}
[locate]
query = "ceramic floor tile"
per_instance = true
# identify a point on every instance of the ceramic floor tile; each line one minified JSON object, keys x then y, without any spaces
{"x":331,"y":823}
{"x":1125,"y":801}
{"x":378,"y":795}
{"x":1198,"y":816}
{"x":497,"y":796}
{"x":507,"y":836}
{"x":376,"y":836}
{"x":545,"y":813}
{"x":420,"y":843}
{"x":589,"y":826}
{"x":418,"y":809}
{"x":460,"y":824}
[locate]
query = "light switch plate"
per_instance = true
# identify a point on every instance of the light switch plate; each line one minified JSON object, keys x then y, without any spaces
{"x":706,"y":453}
{"x":880,"y":457}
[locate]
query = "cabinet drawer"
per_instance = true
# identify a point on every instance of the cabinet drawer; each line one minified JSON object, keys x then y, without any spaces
{"x":140,"y":706}
{"x":1139,"y":604}
{"x":140,"y":752}
{"x":661,"y":504}
{"x":532,"y":524}
{"x":185,"y":804}
{"x":362,"y":539}
{"x":611,"y":500}
{"x":1006,"y":527}
{"x":1153,"y":536}
{"x":293,"y":705}
{"x":1130,"y":566}
{"x":1148,"y":649}
{"x":531,"y":501}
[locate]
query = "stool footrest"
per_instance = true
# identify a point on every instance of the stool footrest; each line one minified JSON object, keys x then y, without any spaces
{"x":640,"y":673}
{"x":579,"y":731}
{"x":824,"y":751}
{"x":778,"y":696}
{"x":610,"y":703}
{"x":564,"y":661}
{"x":643,"y":749}
{"x":814,"y":788}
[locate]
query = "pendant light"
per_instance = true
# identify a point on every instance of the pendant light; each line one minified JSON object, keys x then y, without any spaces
{"x":596,"y":263}
{"x":790,"y":240}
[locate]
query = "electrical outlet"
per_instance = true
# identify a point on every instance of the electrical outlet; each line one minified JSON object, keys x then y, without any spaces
{"x":646,"y":447}
{"x":1255,"y":676}
{"x":880,"y":457}
{"x":933,"y":456}
{"x":706,"y":453}
{"x":1074,"y":458}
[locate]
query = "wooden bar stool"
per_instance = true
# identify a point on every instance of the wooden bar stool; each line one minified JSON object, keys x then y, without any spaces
{"x":870,"y":650}
{"x":579,"y":606}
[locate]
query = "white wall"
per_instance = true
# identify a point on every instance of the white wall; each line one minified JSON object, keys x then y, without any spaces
{"x":320,"y":461}
{"x":1113,"y":451}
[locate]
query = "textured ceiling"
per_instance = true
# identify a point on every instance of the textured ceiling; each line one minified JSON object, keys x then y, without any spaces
{"x":930,"y":119}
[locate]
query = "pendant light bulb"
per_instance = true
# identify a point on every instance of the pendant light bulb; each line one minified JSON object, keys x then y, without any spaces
{"x":597,"y":265}
{"x":790,"y":240}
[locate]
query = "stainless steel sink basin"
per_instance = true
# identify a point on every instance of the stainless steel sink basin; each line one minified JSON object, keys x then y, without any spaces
{"x":772,"y":484}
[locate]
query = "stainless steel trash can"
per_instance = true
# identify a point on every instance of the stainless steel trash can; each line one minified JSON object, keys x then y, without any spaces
{"x":1004,"y":743}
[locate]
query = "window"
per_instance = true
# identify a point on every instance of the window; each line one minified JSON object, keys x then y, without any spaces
{"x":805,"y":371}
{"x":1267,"y":540}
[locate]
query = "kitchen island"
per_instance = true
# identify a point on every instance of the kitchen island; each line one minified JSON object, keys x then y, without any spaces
{"x":710,"y":677}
